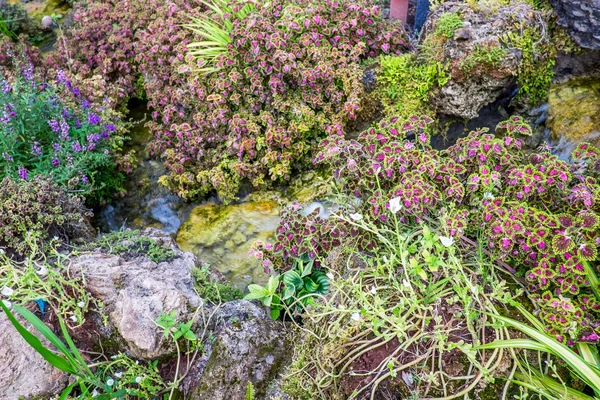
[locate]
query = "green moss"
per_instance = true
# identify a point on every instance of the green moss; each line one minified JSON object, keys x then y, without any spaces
{"x":405,"y":84}
{"x":536,"y":69}
{"x":484,"y":56}
{"x":214,"y":292}
{"x":447,"y":24}
{"x":131,"y":244}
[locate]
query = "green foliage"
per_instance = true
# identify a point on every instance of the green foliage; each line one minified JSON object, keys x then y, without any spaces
{"x":536,"y":69}
{"x":583,"y":362}
{"x":406,"y":84}
{"x":418,"y":288}
{"x":250,"y":391}
{"x":293,"y":290}
{"x":12,"y":19}
{"x":447,"y":24}
{"x":215,"y":28}
{"x":130,"y":244}
{"x":215,"y":292}
{"x":36,"y":211}
{"x":173,"y":329}
{"x":484,"y":56}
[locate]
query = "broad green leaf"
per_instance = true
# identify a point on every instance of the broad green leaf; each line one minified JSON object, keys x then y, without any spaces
{"x":293,"y":279}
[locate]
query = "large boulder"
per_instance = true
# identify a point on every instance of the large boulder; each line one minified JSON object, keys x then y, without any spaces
{"x":248,"y":347}
{"x":474,"y":43}
{"x":25,"y":373}
{"x":581,"y":18}
{"x":136,"y":291}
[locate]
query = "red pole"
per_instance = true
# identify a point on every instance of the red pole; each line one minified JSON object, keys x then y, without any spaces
{"x":399,"y":10}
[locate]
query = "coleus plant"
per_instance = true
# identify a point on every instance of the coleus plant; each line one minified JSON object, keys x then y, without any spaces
{"x":536,"y":212}
{"x":289,"y":78}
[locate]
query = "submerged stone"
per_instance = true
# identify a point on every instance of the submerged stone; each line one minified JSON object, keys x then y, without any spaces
{"x":574,"y":113}
{"x":223,"y":235}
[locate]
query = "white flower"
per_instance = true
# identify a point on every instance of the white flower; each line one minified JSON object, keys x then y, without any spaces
{"x":7,"y":291}
{"x":355,"y":316}
{"x":110,"y":382}
{"x":113,"y":357}
{"x":55,"y":237}
{"x":73,"y":318}
{"x":43,"y":271}
{"x":356,"y":216}
{"x":2,"y":251}
{"x":94,"y":393}
{"x":118,"y":374}
{"x":330,"y":276}
{"x":385,"y":259}
{"x":447,"y":241}
{"x":373,"y":290}
{"x":138,"y":380}
{"x":81,"y":304}
{"x":7,"y":303}
{"x":488,"y":196}
{"x":395,"y":205}
{"x":405,"y":283}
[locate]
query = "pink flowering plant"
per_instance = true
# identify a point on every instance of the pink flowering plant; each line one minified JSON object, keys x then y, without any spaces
{"x":49,"y":128}
{"x":529,"y":209}
{"x":291,"y":75}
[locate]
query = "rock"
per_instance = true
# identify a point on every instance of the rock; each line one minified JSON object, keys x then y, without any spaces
{"x":481,"y":65}
{"x":582,"y":20}
{"x":574,"y":113}
{"x":47,"y":22}
{"x":136,"y":292}
{"x":249,"y":347}
{"x":25,"y":373}
{"x":222,"y":236}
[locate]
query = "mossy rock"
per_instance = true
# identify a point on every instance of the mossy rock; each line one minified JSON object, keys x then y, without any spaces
{"x":574,"y":112}
{"x":223,"y":235}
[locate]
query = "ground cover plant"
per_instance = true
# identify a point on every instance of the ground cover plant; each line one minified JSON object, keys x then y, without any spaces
{"x":289,"y":76}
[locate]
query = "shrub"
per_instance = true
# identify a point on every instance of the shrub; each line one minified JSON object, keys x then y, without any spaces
{"x":36,"y":211}
{"x":531,"y":210}
{"x":49,"y":129}
{"x":289,"y":77}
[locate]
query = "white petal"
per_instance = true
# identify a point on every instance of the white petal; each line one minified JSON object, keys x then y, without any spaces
{"x":43,"y":271}
{"x":118,"y":374}
{"x":7,"y":291}
{"x":373,"y":290}
{"x":138,"y":379}
{"x":94,"y":393}
{"x":7,"y":303}
{"x":395,"y":205}
{"x":356,"y":216}
{"x":81,"y":304}
{"x":110,"y":382}
{"x":73,"y":318}
{"x":447,"y":241}
{"x":355,"y":316}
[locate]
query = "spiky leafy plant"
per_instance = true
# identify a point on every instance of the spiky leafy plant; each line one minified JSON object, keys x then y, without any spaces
{"x":215,"y":29}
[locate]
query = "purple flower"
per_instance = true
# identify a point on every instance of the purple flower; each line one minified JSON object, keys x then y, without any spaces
{"x":56,"y":147}
{"x":23,"y":173}
{"x":93,"y":138}
{"x":94,"y":119}
{"x":91,"y":146}
{"x":76,"y":147}
{"x":55,"y":162}
{"x":84,"y":179}
{"x":76,"y":91}
{"x":110,"y":127}
{"x":85,"y":104}
{"x":36,"y":149}
{"x":54,"y":126}
{"x":7,"y":157}
{"x":6,"y":87}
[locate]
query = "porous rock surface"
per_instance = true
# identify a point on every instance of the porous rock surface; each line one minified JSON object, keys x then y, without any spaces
{"x":581,"y":18}
{"x":248,"y":347}
{"x":25,"y":373}
{"x":136,"y":292}
{"x":467,"y":92}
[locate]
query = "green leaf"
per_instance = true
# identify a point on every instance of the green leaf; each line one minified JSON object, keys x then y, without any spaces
{"x":310,"y":286}
{"x":65,"y":393}
{"x":56,"y":361}
{"x":293,"y":279}
{"x":275,"y":313}
{"x":256,"y":292}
